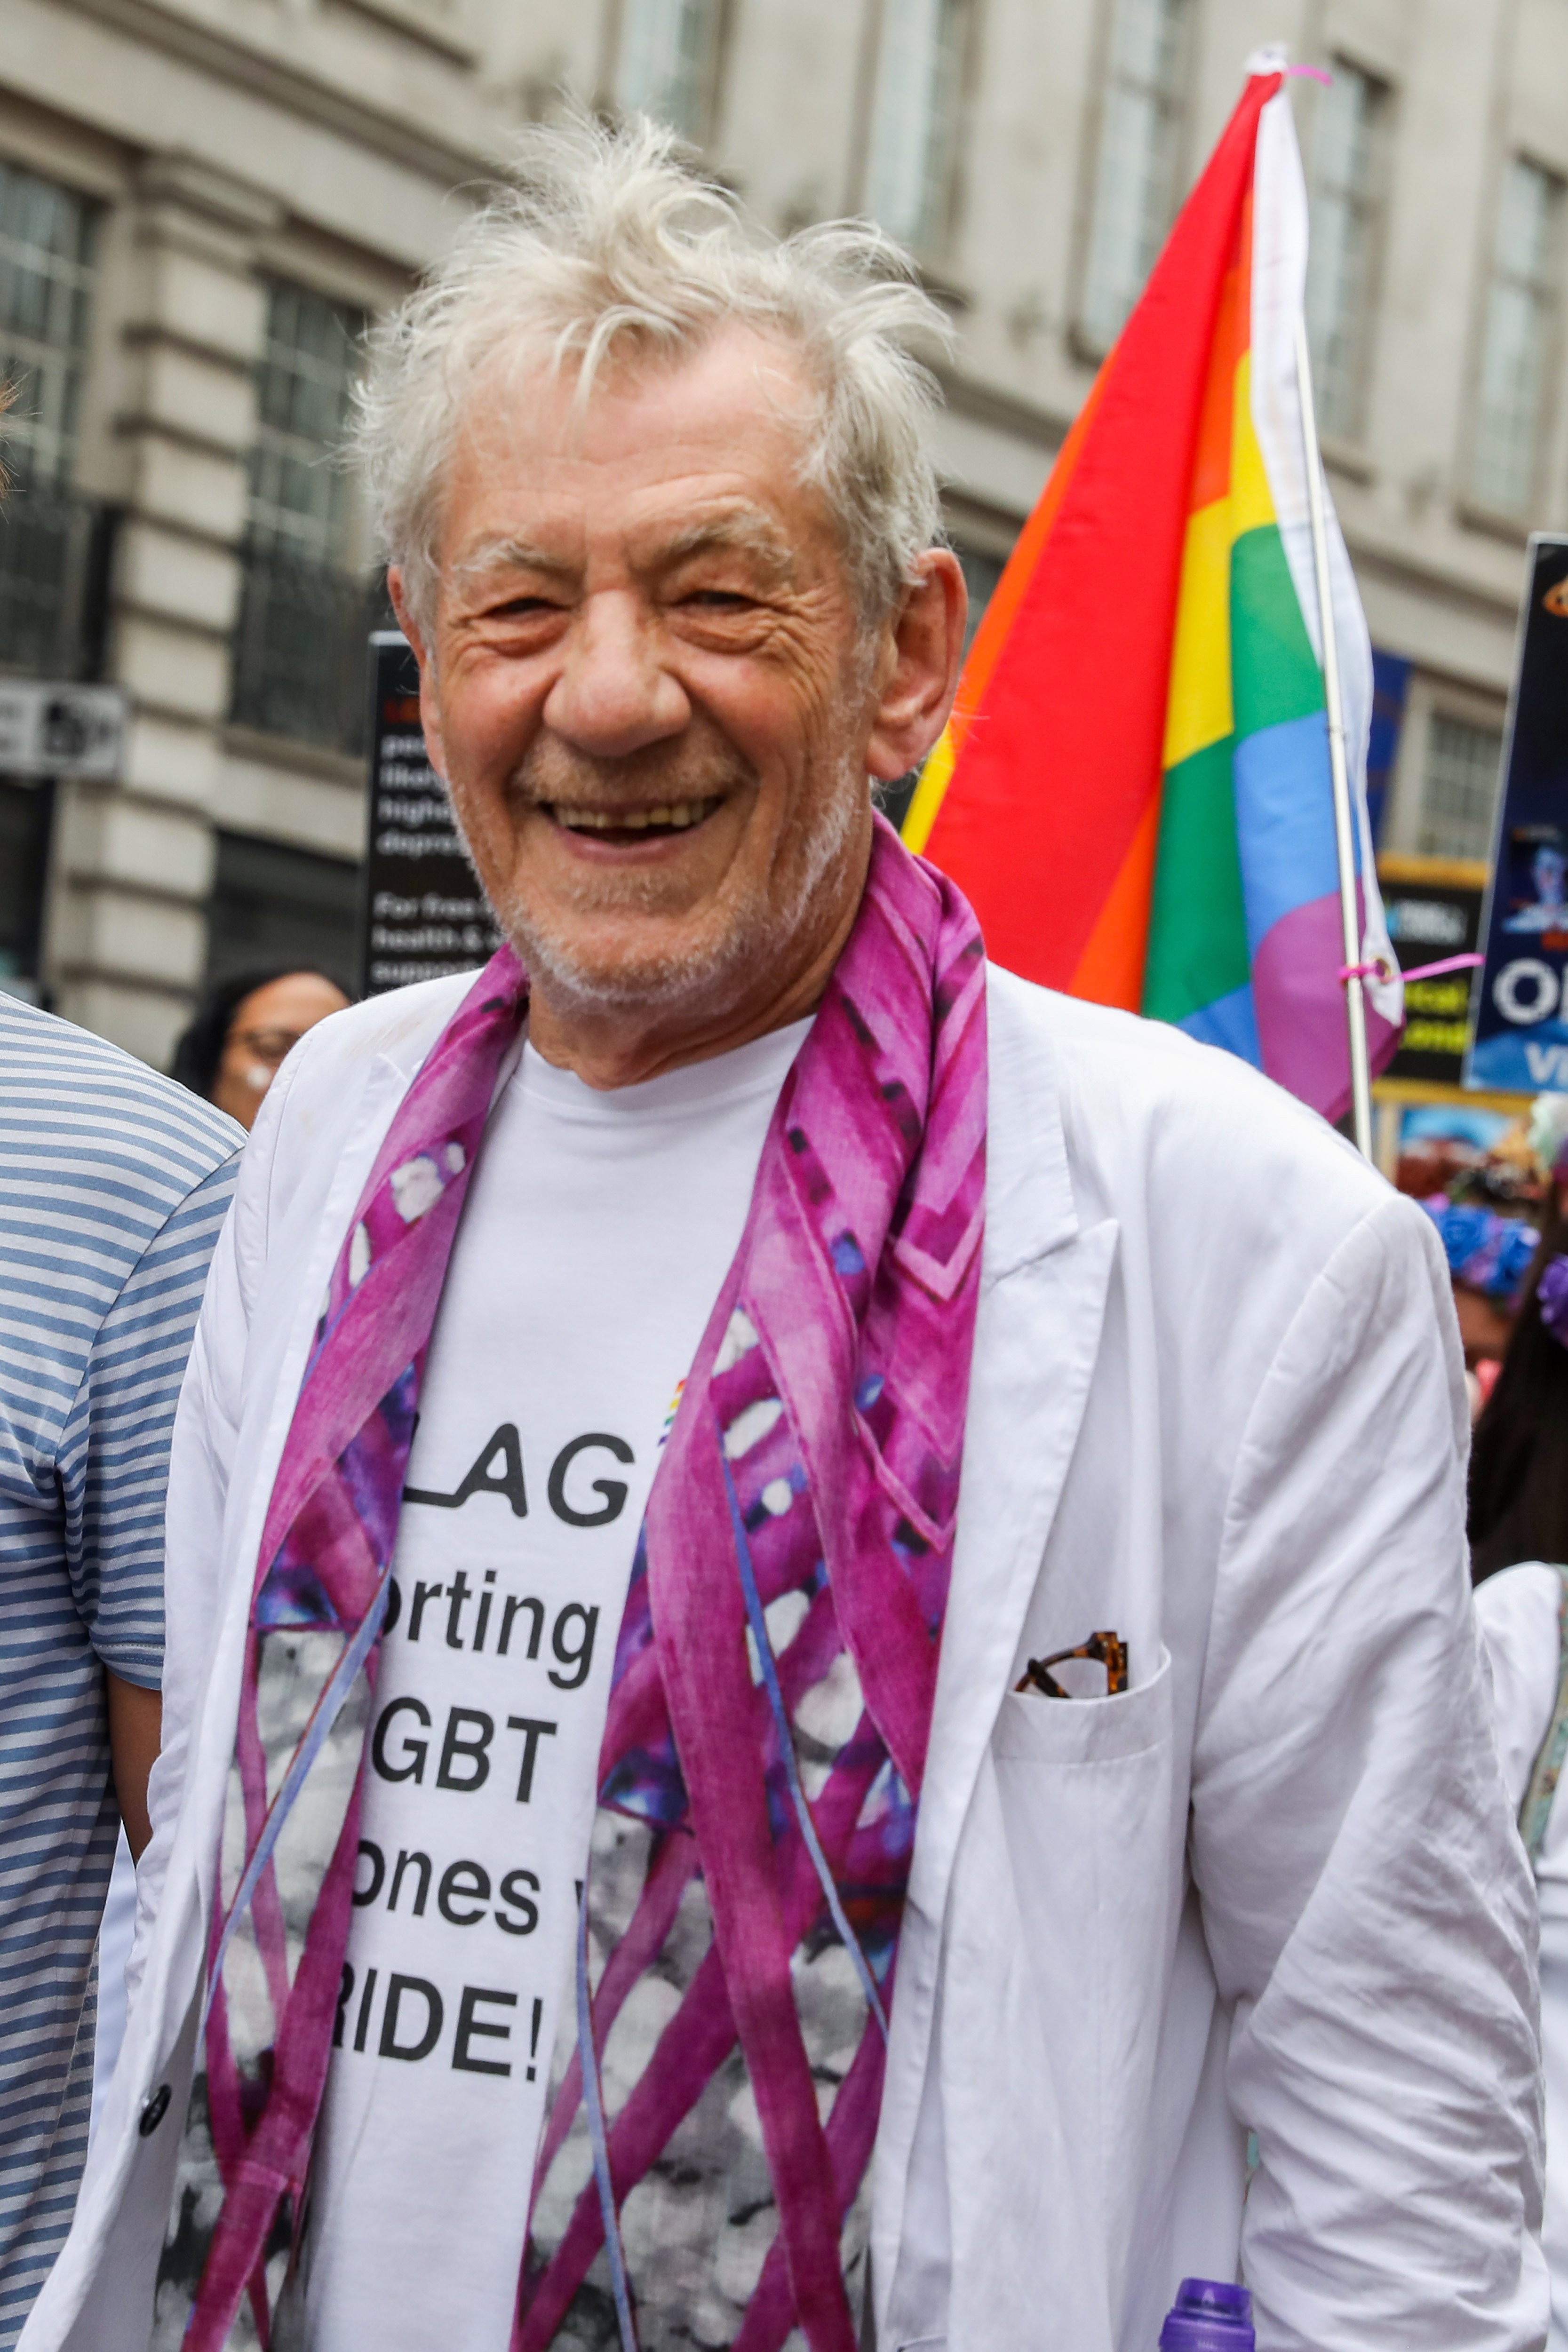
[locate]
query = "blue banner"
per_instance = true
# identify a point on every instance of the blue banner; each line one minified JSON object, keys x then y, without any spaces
{"x":1521,"y":1039}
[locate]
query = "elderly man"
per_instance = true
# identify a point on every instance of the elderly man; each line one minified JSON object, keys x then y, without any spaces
{"x":635,"y":1868}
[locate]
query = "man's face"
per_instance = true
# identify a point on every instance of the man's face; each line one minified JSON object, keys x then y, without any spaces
{"x":644,"y":682}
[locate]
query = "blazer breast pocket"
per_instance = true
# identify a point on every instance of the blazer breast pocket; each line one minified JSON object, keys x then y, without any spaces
{"x":1086,"y":1793}
{"x":1074,"y":1731}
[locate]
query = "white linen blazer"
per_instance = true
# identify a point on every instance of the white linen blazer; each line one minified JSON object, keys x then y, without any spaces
{"x":1216,"y":1404}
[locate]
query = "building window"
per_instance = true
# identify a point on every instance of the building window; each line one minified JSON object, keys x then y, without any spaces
{"x":46,"y":292}
{"x":53,"y":551}
{"x":915,"y":108}
{"x":1348,"y":144}
{"x":273,"y":905}
{"x":24,"y":810}
{"x":1517,"y":339}
{"x":668,"y":54}
{"x":300,"y":657}
{"x":1140,"y":153}
{"x":299,"y":498}
{"x":1459,"y":787}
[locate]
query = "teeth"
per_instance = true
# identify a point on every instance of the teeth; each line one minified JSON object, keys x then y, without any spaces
{"x":678,"y":814}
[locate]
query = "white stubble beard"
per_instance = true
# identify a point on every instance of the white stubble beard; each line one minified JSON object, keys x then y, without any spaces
{"x":707,"y":978}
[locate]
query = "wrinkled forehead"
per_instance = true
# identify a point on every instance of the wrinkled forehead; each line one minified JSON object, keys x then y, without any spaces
{"x":662,"y":455}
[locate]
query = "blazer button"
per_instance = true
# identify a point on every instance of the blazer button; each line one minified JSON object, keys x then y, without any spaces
{"x":156,"y":2108}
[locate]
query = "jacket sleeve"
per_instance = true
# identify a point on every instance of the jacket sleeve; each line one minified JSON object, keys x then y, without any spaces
{"x":1518,"y":1611}
{"x":114,"y":1448}
{"x":200,"y":1457}
{"x":1365,"y":1898}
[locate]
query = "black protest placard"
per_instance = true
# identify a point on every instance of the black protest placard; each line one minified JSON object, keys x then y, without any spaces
{"x":1520,"y":1016}
{"x":424,"y":913}
{"x":1433,"y":907}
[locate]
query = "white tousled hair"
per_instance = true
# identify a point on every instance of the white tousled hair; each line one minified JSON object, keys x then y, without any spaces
{"x":604,"y":247}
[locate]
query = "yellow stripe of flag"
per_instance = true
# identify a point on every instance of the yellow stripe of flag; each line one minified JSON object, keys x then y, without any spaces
{"x":1200,"y":711}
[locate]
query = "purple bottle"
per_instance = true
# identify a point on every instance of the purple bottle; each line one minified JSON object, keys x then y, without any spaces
{"x":1210,"y":2316}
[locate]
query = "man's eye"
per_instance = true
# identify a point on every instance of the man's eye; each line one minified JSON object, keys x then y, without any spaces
{"x":717,"y":600}
{"x":521,"y":608}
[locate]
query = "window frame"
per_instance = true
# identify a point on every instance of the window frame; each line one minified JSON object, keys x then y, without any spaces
{"x":307,"y":594}
{"x":24,"y":432}
{"x":700,"y":131}
{"x":1350,"y":428}
{"x":1087,"y":340}
{"x":24,"y":949}
{"x":267,"y":519}
{"x":933,"y":234}
{"x":232,"y":946}
{"x":1445,"y":710}
{"x":1477,"y":504}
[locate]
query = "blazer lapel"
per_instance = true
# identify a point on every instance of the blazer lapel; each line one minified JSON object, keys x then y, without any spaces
{"x":334,"y":1178}
{"x":274,"y":1386}
{"x":1037,"y":1340}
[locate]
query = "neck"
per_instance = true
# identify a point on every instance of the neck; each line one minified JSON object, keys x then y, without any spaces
{"x":621,"y":1047}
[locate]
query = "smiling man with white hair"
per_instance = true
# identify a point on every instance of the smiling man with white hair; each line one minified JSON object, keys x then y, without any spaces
{"x":819,"y":1640}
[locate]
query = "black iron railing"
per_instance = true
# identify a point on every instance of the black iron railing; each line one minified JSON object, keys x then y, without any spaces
{"x":55,"y":556}
{"x":300,"y":649}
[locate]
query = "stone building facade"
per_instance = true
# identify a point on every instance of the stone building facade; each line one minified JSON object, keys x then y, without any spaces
{"x":200,"y":201}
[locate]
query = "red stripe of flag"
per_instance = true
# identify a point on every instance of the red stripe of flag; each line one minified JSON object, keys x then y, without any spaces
{"x":1049,"y":823}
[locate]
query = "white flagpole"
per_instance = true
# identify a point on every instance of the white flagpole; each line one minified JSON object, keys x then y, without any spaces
{"x":1344,"y":831}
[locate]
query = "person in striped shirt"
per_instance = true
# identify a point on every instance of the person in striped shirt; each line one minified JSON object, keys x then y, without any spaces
{"x":113,"y":1184}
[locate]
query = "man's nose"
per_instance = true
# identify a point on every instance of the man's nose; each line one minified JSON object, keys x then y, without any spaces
{"x":615,"y":694}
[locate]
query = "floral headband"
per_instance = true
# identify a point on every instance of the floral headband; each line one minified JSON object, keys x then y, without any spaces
{"x":1493,"y":1255}
{"x":1487,"y":1251}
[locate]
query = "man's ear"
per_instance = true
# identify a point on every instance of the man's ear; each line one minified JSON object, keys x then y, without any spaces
{"x":429,"y":701}
{"x":918,"y":668}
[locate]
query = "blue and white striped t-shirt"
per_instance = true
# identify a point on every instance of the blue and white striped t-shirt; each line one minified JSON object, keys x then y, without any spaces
{"x":114,"y":1183}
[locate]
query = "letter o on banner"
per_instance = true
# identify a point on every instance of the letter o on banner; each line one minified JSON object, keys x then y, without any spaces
{"x":1526,"y":992}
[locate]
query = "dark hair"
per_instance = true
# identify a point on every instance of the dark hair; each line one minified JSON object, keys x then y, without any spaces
{"x":200,"y":1050}
{"x":1519,"y":1461}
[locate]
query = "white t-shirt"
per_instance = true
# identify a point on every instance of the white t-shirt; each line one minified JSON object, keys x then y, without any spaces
{"x":596,"y":1236}
{"x":1517,"y":1609}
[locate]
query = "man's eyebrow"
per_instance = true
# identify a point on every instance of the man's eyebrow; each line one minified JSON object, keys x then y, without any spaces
{"x":508,"y":553}
{"x":748,"y":530}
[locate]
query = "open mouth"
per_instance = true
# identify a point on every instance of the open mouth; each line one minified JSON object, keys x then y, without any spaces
{"x":619,"y":825}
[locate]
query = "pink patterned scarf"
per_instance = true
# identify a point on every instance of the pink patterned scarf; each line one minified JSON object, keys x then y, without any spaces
{"x":770,"y":1707}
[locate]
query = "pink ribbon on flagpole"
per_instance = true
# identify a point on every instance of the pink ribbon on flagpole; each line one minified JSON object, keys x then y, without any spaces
{"x":1378,"y":970}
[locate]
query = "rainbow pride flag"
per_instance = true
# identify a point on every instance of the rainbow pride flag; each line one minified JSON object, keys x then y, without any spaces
{"x":1133,"y":791}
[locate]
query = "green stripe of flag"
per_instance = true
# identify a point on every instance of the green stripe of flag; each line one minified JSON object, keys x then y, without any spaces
{"x":1197,"y":924}
{"x":1274,"y":671}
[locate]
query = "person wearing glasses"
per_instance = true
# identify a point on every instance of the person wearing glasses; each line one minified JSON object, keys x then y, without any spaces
{"x":244,"y":1027}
